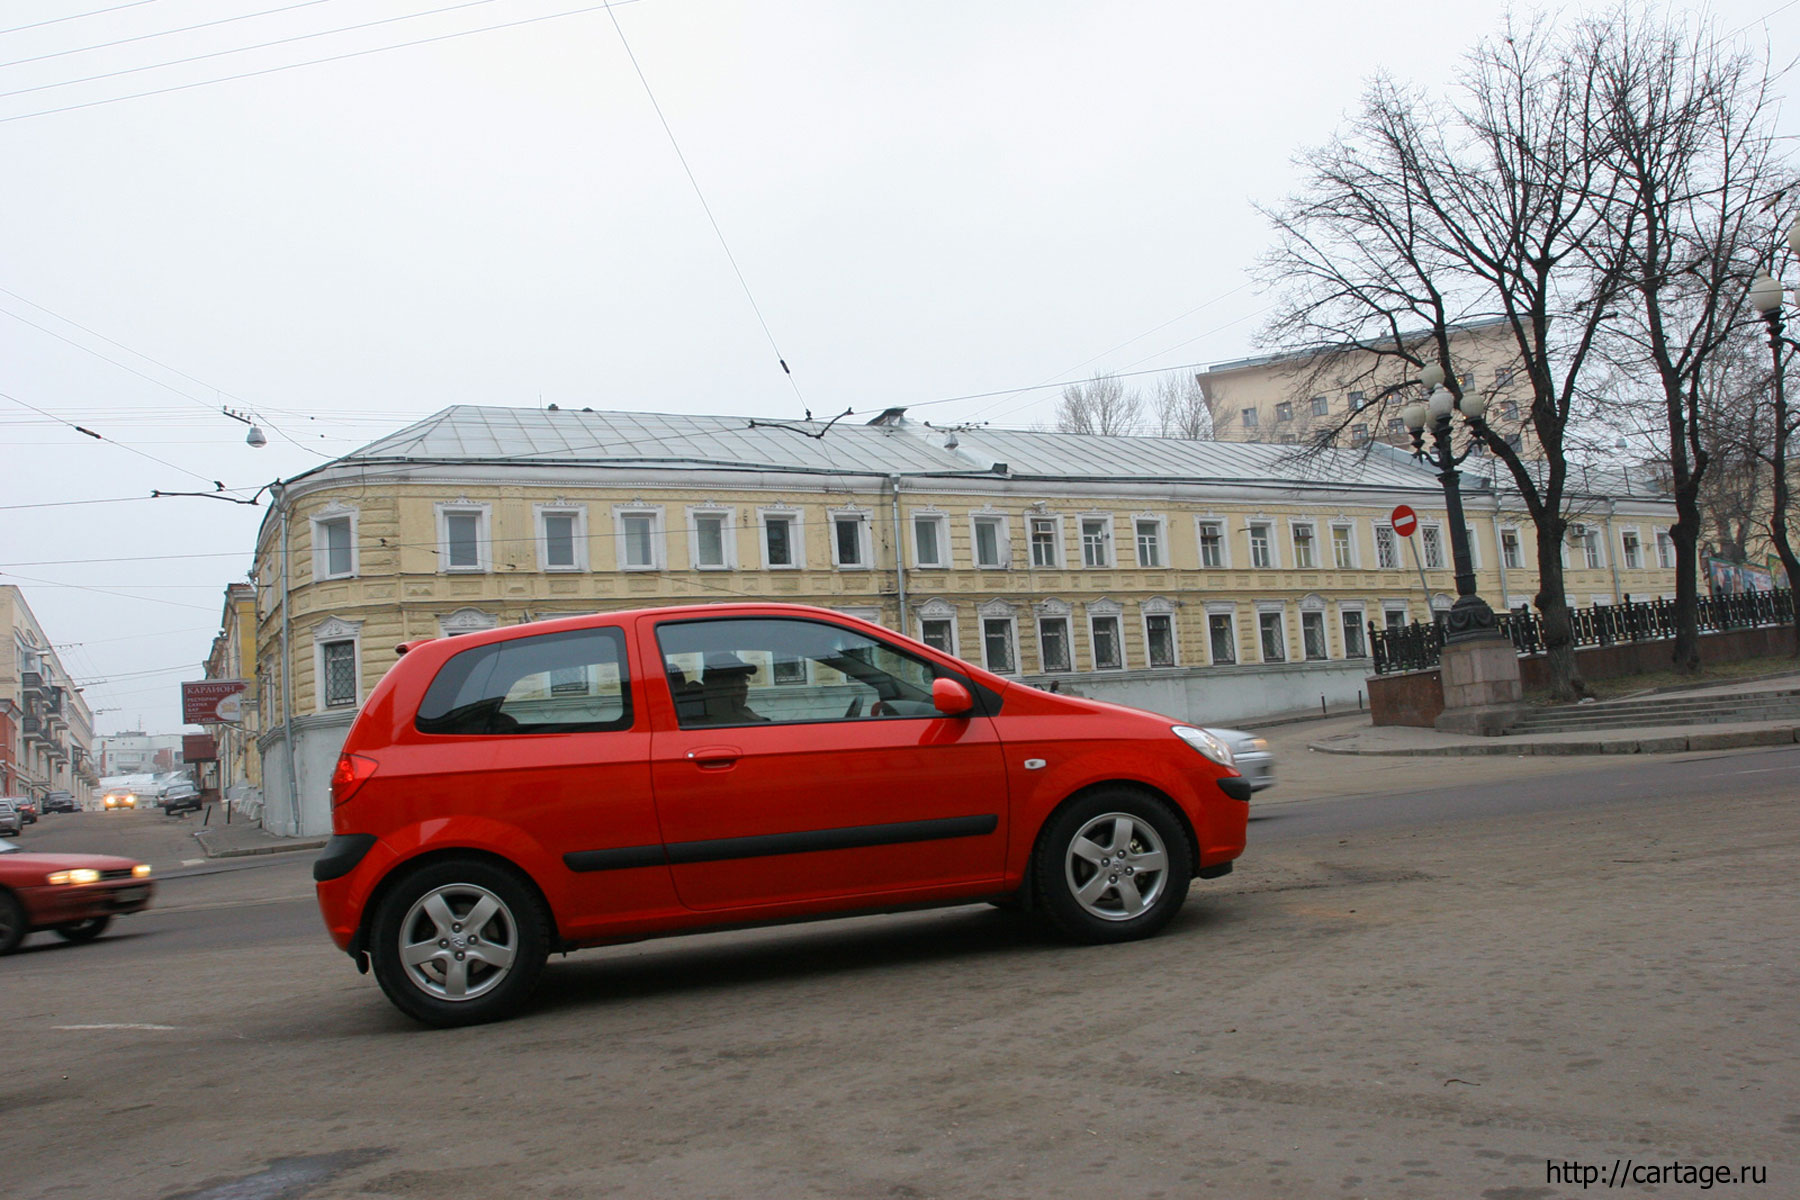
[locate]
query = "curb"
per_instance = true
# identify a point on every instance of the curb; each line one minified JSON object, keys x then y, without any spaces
{"x":283,"y":847}
{"x":1680,"y":743}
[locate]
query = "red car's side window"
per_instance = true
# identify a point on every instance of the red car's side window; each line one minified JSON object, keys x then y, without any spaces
{"x":574,"y":682}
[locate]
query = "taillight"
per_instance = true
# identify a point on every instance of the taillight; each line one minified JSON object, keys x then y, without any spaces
{"x":353,"y":770}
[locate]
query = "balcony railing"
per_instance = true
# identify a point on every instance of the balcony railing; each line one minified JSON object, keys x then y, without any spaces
{"x":1417,"y":647}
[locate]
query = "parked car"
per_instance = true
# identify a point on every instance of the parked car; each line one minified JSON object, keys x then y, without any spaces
{"x":1251,"y":755}
{"x":617,"y":776}
{"x":119,"y":800}
{"x":74,"y":895}
{"x":60,"y":802}
{"x":28,"y":809}
{"x":180,"y":798}
{"x":11,"y":823}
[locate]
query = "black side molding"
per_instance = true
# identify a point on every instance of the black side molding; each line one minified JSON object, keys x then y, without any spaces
{"x":1236,"y":786}
{"x":615,"y":860}
{"x":341,"y":854}
{"x":806,"y":841}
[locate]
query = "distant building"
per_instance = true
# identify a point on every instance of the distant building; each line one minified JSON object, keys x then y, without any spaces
{"x":134,"y":752}
{"x":1297,"y":397}
{"x":46,"y":731}
{"x":238,"y":770}
{"x":1218,"y":578}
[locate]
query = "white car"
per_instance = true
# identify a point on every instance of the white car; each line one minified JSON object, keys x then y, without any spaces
{"x":1251,"y":754}
{"x":11,"y":823}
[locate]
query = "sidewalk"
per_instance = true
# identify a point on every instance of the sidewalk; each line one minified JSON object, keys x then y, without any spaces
{"x":241,"y":837}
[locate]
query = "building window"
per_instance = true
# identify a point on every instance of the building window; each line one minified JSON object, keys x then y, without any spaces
{"x":1343,"y":547}
{"x":1312,"y":635}
{"x":1274,"y":643}
{"x":931,"y":541}
{"x":1354,"y":644}
{"x":1394,"y":616}
{"x":1590,"y":547}
{"x":640,"y":539}
{"x":1212,"y":544}
{"x":997,"y":645}
{"x":562,"y":539}
{"x":1320,"y":406}
{"x":938,"y":633}
{"x":781,"y":540}
{"x":334,"y":547}
{"x":1509,"y":548}
{"x":1303,"y":547}
{"x":1502,"y":376}
{"x":1514,"y":441}
{"x":787,"y":669}
{"x":1284,"y":411}
{"x":710,"y":543}
{"x":1094,"y":538}
{"x":1223,"y":637}
{"x":1108,"y":653}
{"x":462,"y":539}
{"x":1431,"y":540}
{"x":990,"y":542}
{"x":1396,"y":427}
{"x":1665,"y":550}
{"x":1509,"y":410}
{"x":1359,"y":434}
{"x":1149,"y":544}
{"x":1044,"y":542}
{"x":1053,"y":644}
{"x":1159,"y":638}
{"x":1355,"y":400}
{"x":337,"y":662}
{"x":1474,"y":547}
{"x":849,"y":541}
{"x":1259,"y":547}
{"x":1387,"y":550}
{"x":1634,"y":553}
{"x":1249,"y":415}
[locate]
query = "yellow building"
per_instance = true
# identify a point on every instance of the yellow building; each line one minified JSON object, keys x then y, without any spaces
{"x":1300,"y":396}
{"x":1209,"y":579}
{"x":233,"y":656}
{"x":46,"y":731}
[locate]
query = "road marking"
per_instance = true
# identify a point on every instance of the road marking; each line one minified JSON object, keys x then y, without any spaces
{"x":1762,"y":770}
{"x":74,"y":1028}
{"x":192,"y":862}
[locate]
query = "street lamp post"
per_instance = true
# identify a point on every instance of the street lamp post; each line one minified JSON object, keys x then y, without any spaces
{"x":1766,"y":296}
{"x":1470,"y":617}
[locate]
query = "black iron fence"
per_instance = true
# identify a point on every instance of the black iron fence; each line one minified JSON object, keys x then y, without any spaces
{"x":1416,"y":647}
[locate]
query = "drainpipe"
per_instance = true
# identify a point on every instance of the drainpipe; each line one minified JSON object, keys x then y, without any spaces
{"x":279,"y":495}
{"x":899,"y":553}
{"x":1500,"y":554}
{"x":1612,"y":550}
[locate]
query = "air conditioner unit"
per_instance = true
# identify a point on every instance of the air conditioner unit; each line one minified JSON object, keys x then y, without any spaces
{"x":1577,"y":531}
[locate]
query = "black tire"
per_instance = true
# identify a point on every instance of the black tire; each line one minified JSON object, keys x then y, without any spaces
{"x":13,"y":926}
{"x":83,"y":931}
{"x":1091,"y":888}
{"x":517,"y":929}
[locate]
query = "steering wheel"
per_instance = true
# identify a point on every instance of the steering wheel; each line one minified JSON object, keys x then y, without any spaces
{"x":879,"y":710}
{"x":854,"y":709}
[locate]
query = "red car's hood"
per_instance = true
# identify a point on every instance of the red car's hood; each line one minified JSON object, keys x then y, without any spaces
{"x":33,"y":862}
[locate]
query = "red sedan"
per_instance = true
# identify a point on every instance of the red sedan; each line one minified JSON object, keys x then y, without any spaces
{"x":74,"y":895}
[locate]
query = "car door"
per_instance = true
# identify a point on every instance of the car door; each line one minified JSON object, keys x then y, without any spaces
{"x":806,"y":763}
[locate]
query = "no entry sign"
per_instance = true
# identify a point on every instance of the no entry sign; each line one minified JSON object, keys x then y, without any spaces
{"x":1405,"y":521}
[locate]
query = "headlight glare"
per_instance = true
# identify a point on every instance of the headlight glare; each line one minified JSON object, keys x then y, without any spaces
{"x":78,"y":875}
{"x":141,"y":871}
{"x":1205,"y":743}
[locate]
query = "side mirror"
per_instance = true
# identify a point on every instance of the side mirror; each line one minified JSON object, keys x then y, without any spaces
{"x":951,"y":698}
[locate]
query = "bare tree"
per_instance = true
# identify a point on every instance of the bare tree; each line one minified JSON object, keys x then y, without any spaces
{"x":1423,"y":216}
{"x":1689,"y":141}
{"x":1180,"y":407}
{"x":1101,"y":406}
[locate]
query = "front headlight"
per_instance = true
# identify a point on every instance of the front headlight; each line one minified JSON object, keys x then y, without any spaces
{"x":78,"y":875}
{"x":1205,"y":743}
{"x":141,"y":871}
{"x":1256,"y":746}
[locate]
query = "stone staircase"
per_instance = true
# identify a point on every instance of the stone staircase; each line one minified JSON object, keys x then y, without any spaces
{"x":1672,"y":709}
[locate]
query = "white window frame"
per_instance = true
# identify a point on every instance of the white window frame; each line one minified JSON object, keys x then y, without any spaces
{"x":1108,"y":546}
{"x":1223,"y":527}
{"x":1055,"y":610}
{"x":1159,"y":606}
{"x":1349,"y":528}
{"x":1279,"y":612}
{"x":727,"y":537}
{"x":1315,"y":608}
{"x":484,"y":545}
{"x":1664,"y":539}
{"x":1229,"y":612}
{"x":1593,"y":549}
{"x":334,"y":631}
{"x":939,"y":610}
{"x":864,"y":543}
{"x":1443,"y":546}
{"x":659,"y":541}
{"x":1518,"y":545}
{"x":1162,"y":541}
{"x":1393,"y":540}
{"x":1002,"y":542}
{"x":796,"y":537}
{"x":1474,"y":549}
{"x":941,"y":522}
{"x":1396,"y":606}
{"x":1057,"y":554}
{"x":330,"y":515}
{"x":541,"y":514}
{"x":1625,"y":549}
{"x":1268,"y":528}
{"x":1000,"y":611}
{"x":1362,"y":626}
{"x":1295,"y":524}
{"x":1106,"y":610}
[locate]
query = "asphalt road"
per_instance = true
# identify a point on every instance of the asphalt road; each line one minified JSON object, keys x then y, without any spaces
{"x":1424,"y":992}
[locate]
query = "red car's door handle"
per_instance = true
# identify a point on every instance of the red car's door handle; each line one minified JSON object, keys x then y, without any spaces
{"x":714,"y":758}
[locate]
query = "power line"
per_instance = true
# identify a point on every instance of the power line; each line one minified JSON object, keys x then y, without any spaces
{"x":145,"y":37}
{"x":73,"y":503}
{"x":99,"y":12}
{"x":107,"y":592}
{"x":121,"y":445}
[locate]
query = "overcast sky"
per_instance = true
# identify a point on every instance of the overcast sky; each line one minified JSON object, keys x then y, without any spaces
{"x":926,"y":200}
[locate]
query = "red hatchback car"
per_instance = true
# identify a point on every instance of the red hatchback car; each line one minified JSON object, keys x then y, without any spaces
{"x":613,"y":777}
